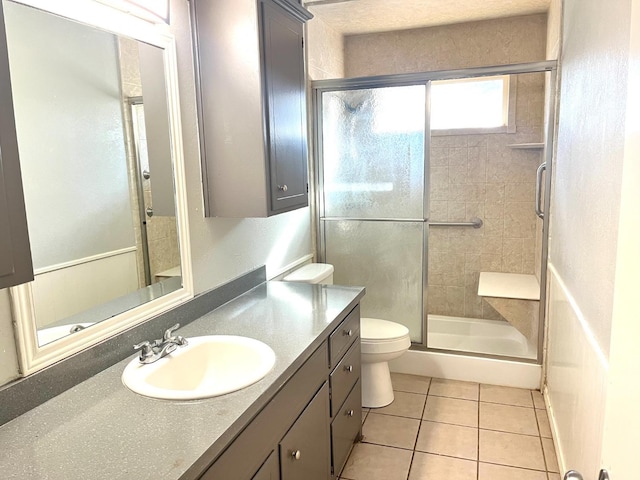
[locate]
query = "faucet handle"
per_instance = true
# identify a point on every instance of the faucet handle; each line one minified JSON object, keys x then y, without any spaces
{"x":145,"y":348}
{"x":168,"y":334}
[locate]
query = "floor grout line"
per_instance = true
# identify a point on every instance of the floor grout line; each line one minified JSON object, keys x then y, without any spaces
{"x":478,"y":452}
{"x":478,"y":428}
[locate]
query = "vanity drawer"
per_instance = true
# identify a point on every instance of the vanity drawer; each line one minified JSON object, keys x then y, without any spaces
{"x":344,"y":376}
{"x":345,"y":428}
{"x":343,"y":336}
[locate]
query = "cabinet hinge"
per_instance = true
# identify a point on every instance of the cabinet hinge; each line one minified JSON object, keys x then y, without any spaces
{"x":302,"y":42}
{"x":307,"y":188}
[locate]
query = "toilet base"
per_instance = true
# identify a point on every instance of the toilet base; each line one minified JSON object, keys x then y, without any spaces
{"x":376,"y":385}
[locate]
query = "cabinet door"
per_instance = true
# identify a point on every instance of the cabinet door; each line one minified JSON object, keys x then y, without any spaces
{"x":304,"y":451}
{"x":285,"y":107}
{"x":269,"y":470}
{"x":346,"y":427}
{"x":15,"y":253}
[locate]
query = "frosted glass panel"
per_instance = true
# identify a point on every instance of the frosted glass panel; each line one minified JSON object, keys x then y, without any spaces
{"x":373,"y":152}
{"x":386,"y":257}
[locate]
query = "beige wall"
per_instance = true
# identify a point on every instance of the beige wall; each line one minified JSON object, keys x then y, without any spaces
{"x":597,"y":77}
{"x":325,"y":52}
{"x":474,"y":44}
{"x":622,"y":419}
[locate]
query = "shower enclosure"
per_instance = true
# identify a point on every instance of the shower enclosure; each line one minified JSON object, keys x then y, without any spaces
{"x":428,"y":188}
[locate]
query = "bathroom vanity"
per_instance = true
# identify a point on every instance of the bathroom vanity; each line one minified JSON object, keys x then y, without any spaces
{"x":300,"y":421}
{"x":292,"y":434}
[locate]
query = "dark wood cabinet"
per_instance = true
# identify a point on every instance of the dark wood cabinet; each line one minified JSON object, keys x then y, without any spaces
{"x":251,"y":89}
{"x":270,"y":469}
{"x":15,"y":254}
{"x":304,"y":450}
{"x":345,"y":427}
{"x":297,"y":435}
{"x":285,"y":103}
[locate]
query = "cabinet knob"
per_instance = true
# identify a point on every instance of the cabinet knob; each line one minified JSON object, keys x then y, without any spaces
{"x":282,"y":188}
{"x":349,"y":413}
{"x":348,"y":368}
{"x":348,"y":333}
{"x":295,"y":454}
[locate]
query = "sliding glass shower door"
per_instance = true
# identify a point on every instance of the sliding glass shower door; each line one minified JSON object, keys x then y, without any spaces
{"x":372,"y":205}
{"x":430,"y":195}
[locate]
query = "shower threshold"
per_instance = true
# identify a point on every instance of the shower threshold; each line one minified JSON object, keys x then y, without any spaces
{"x":474,"y":335}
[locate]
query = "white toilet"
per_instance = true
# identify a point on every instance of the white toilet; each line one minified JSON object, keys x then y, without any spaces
{"x":380,"y":341}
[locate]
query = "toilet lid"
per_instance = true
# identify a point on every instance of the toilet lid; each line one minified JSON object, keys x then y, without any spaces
{"x":310,"y":273}
{"x":376,"y":329}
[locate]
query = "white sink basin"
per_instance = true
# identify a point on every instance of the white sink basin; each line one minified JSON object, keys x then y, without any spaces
{"x":207,"y":367}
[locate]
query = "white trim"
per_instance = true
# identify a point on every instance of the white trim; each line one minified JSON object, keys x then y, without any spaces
{"x":562,"y":464}
{"x":296,"y":263}
{"x":80,"y":261}
{"x":33,"y":357}
{"x":591,"y":338}
{"x":469,"y":369}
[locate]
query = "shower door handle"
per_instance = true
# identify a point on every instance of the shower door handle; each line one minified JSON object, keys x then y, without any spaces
{"x":573,"y":475}
{"x":541,"y":168}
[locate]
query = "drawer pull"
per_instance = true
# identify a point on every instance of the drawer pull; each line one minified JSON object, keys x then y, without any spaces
{"x":349,"y":413}
{"x":348,"y":368}
{"x":295,"y":454}
{"x":348,"y":333}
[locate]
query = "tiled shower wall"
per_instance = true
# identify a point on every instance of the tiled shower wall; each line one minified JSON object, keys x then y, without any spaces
{"x":481,"y":176}
{"x":472,"y":175}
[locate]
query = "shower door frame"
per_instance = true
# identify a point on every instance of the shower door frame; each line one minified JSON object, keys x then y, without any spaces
{"x":319,"y":87}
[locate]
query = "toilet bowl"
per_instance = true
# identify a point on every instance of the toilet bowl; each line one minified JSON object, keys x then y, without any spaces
{"x":381,"y":341}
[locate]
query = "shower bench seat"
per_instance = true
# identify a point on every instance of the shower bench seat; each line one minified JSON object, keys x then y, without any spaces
{"x":514,"y":296}
{"x":508,"y":285}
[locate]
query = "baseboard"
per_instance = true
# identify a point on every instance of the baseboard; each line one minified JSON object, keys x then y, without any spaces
{"x":554,"y":431}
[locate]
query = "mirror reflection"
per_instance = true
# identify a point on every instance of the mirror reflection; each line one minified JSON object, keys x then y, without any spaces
{"x":95,"y":152}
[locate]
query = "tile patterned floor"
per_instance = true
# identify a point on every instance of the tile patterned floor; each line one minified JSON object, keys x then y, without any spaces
{"x":450,"y":430}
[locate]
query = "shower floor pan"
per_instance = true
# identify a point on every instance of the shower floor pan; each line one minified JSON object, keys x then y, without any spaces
{"x":475,"y":335}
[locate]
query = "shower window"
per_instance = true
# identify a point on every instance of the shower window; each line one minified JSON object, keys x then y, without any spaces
{"x":475,"y":105}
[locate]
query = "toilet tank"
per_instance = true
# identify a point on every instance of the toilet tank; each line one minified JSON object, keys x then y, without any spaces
{"x":312,"y":273}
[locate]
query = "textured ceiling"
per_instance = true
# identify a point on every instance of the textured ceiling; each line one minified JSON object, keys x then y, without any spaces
{"x":351,"y":17}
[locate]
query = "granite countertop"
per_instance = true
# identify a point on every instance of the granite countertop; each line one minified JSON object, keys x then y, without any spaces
{"x":101,"y":430}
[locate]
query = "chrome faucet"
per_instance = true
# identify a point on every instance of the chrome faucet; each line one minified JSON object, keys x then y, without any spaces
{"x":153,"y":351}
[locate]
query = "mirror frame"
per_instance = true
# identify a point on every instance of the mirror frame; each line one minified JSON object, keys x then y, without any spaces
{"x":31,"y":355}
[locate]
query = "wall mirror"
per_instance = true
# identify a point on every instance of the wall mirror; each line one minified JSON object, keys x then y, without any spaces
{"x":97,"y":122}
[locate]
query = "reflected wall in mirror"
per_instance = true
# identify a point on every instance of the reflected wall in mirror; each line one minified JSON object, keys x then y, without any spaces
{"x":95,"y":149}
